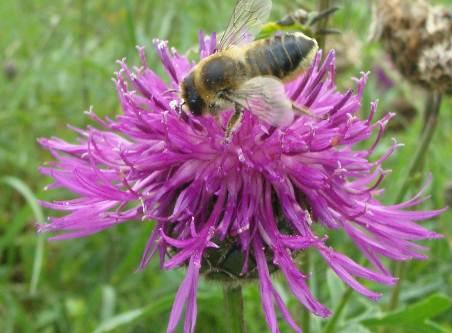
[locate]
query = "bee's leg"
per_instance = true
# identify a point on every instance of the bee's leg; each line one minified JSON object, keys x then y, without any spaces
{"x":233,"y":122}
{"x":305,"y":110}
{"x":180,"y":109}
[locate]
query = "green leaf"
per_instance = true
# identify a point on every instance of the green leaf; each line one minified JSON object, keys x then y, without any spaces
{"x":32,"y":201}
{"x":414,"y":314}
{"x":355,"y":328}
{"x":26,"y":192}
{"x":427,"y":327}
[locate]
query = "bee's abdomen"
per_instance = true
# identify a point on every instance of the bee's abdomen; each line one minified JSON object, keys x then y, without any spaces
{"x":281,"y":55}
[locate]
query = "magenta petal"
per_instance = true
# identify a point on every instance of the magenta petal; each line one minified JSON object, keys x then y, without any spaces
{"x":186,"y":295}
{"x":266,"y":288}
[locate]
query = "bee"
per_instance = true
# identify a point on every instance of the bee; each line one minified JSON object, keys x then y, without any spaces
{"x":249,"y":76}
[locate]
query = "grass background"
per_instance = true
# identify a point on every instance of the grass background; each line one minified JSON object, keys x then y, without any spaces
{"x":57,"y":59}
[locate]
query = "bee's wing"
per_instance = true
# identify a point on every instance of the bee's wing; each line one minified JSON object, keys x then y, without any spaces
{"x":247,"y":14}
{"x":265,"y":97}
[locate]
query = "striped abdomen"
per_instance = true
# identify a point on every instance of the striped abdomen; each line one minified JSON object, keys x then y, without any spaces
{"x":283,"y":56}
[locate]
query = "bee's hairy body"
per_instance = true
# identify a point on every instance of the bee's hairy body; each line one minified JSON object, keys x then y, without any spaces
{"x":283,"y":56}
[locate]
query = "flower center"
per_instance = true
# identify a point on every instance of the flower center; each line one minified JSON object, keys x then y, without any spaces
{"x":227,"y":263}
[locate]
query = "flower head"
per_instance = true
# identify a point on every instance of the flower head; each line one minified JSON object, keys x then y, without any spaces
{"x":243,"y":209}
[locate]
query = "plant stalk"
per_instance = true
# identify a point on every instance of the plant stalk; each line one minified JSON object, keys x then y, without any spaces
{"x":432,"y":109}
{"x":331,"y":326}
{"x":82,"y":52}
{"x":233,"y":306}
{"x":432,"y":106}
{"x":323,"y":24}
{"x":305,"y":313}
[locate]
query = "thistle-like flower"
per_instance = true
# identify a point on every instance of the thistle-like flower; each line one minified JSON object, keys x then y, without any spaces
{"x":243,"y":209}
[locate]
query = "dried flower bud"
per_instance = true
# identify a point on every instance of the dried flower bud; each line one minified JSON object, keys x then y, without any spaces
{"x":418,"y":36}
{"x":448,"y":194}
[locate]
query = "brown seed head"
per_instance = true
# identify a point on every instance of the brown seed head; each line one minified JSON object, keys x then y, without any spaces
{"x":418,"y":37}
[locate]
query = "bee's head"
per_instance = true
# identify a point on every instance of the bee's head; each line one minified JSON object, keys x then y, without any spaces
{"x":191,"y":97}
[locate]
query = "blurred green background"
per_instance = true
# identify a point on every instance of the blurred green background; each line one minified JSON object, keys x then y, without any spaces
{"x":57,"y":58}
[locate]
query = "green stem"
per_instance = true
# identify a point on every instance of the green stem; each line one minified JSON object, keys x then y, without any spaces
{"x":233,"y":306}
{"x":305,"y":313}
{"x":400,"y":270}
{"x":131,"y":24}
{"x":82,"y":47}
{"x":322,"y":24}
{"x":331,"y":326}
{"x":432,"y":108}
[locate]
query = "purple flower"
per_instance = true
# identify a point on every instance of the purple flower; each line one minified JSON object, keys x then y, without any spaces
{"x":255,"y":198}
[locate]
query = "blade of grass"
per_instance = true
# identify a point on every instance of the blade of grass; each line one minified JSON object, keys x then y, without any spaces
{"x":32,"y":201}
{"x":108,"y":302}
{"x":14,"y":228}
{"x":163,"y":304}
{"x":425,"y":309}
{"x":32,"y":65}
